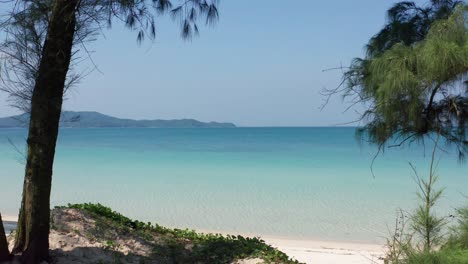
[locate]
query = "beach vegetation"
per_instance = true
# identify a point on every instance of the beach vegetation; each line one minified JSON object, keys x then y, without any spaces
{"x":413,"y":84}
{"x":422,"y":236}
{"x":183,"y":245}
{"x":413,"y":80}
{"x":427,"y":226}
{"x":459,"y":234}
{"x":410,"y":255}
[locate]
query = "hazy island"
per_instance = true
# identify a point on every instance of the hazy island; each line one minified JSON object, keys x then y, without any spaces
{"x":88,"y":119}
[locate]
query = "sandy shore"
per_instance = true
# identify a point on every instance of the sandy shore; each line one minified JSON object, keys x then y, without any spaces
{"x":9,"y":218}
{"x":328,"y":252}
{"x":314,"y":251}
{"x":322,"y":251}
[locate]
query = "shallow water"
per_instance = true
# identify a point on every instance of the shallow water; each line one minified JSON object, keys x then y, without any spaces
{"x":8,"y":226}
{"x":307,"y":183}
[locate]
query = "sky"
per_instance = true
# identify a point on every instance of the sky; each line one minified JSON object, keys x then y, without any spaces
{"x":260,"y":65}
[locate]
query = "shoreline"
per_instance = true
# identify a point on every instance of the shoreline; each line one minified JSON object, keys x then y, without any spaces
{"x":9,"y":218}
{"x":320,"y":251}
{"x":327,"y":252}
{"x":317,"y":251}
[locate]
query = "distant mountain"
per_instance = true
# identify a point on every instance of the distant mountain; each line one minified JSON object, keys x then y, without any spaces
{"x":95,"y":119}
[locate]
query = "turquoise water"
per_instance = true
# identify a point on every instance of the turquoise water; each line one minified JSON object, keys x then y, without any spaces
{"x":306,"y":183}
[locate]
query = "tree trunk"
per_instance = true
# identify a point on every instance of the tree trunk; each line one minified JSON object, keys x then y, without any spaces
{"x":32,"y":238}
{"x":4,"y":253}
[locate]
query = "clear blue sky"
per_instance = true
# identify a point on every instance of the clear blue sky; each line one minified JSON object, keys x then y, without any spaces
{"x":261,"y":65}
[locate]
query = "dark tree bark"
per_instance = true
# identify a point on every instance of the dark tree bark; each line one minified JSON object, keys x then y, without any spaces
{"x":32,"y":240}
{"x":4,"y":253}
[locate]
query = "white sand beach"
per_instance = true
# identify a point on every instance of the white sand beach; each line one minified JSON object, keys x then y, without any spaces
{"x":328,"y":252}
{"x":316,"y":251}
{"x":9,"y":218}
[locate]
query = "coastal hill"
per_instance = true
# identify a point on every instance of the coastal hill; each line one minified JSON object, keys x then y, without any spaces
{"x":94,"y":119}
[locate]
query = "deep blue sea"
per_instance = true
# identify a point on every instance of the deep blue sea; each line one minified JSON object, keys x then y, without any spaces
{"x":304,"y":183}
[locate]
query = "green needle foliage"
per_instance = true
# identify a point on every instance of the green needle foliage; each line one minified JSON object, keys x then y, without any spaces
{"x":414,"y":77}
{"x":408,"y":23}
{"x":422,"y":237}
{"x":459,"y":236}
{"x":428,"y":227}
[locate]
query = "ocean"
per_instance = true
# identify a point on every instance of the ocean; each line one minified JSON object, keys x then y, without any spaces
{"x":298,"y":183}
